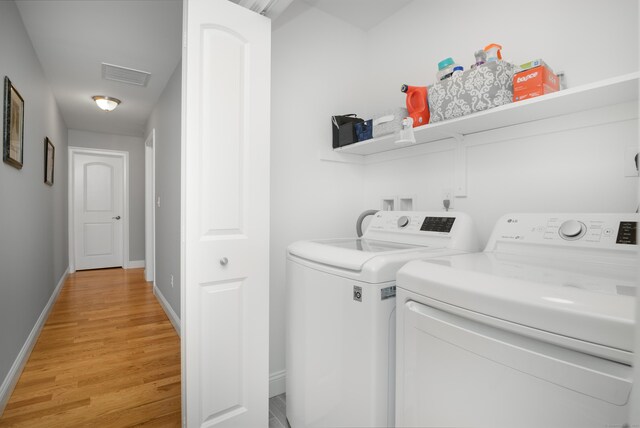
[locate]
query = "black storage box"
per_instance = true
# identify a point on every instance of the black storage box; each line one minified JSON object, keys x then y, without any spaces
{"x":344,"y":132}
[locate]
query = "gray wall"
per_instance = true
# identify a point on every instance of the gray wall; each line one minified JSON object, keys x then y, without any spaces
{"x":33,"y":215}
{"x":165,"y":118}
{"x":135,"y":147}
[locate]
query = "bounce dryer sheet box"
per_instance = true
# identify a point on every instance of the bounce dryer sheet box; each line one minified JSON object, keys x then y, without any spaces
{"x":534,"y":79}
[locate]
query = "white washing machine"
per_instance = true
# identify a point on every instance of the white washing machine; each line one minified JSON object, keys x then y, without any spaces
{"x":341,"y":315}
{"x":536,"y":331}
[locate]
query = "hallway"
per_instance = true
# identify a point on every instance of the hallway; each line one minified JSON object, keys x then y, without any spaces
{"x":107,"y":356}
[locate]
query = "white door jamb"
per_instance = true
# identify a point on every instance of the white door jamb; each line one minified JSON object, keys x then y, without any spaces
{"x":149,"y":207}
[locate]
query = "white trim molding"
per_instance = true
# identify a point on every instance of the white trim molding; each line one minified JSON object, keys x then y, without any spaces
{"x":10,"y":381}
{"x":134,"y":264}
{"x":150,"y":206}
{"x":277,"y":383}
{"x":173,"y":317}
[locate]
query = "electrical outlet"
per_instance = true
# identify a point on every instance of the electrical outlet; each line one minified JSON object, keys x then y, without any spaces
{"x":447,"y":195}
{"x":630,"y":169}
{"x":158,"y":202}
{"x":171,"y":278}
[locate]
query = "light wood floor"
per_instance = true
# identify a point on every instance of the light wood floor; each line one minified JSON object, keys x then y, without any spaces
{"x":107,"y":357}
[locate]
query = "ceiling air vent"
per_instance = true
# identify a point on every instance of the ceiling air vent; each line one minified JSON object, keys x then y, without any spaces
{"x":125,"y":75}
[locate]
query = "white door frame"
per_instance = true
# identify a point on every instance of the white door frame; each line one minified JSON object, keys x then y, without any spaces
{"x":149,"y":207}
{"x":125,"y":192}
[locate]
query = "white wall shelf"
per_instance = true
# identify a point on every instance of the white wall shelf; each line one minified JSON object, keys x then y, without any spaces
{"x":617,"y":90}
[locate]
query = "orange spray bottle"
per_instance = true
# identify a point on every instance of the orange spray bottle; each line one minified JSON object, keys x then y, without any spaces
{"x":417,"y":104}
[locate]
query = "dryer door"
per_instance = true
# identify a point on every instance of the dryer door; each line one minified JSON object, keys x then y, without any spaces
{"x":454,"y":371}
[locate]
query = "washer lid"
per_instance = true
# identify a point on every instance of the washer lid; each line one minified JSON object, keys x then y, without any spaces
{"x":593,"y":302}
{"x":349,"y":254}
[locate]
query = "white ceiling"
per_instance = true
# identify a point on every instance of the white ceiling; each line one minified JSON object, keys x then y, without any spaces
{"x":72,"y":38}
{"x":364,"y":14}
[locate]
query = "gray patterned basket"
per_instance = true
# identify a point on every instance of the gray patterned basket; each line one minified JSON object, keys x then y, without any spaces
{"x":481,"y":88}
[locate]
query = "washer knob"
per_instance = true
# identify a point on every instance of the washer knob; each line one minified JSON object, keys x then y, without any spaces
{"x":572,"y":229}
{"x":403,"y":221}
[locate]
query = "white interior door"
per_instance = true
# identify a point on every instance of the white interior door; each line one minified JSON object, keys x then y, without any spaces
{"x":225,"y":294}
{"x":98,"y":210}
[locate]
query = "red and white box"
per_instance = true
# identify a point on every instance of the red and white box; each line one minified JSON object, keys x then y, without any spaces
{"x":535,"y":81}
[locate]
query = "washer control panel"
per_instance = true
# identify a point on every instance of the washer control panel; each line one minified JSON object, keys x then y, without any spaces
{"x":425,"y":228}
{"x":437,"y":224}
{"x":586,"y":230}
{"x":410,"y":221}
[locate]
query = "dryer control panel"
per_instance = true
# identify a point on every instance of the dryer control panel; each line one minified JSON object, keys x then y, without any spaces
{"x":602,"y":231}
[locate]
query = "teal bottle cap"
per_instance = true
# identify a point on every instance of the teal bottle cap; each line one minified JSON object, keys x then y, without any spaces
{"x":445,"y":63}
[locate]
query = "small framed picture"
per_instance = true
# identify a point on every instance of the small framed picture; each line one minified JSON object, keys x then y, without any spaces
{"x":49,"y":158}
{"x":13,"y":135}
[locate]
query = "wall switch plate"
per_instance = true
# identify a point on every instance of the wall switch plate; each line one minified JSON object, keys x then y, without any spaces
{"x":158,"y":202}
{"x":630,"y":169}
{"x":171,"y":278}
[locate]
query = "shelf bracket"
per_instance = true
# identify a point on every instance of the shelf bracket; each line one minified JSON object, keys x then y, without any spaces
{"x":455,"y":135}
{"x":329,"y":155}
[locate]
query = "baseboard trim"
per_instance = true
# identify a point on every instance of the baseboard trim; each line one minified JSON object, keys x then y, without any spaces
{"x":173,"y":317}
{"x":277,"y":384}
{"x":134,"y":264}
{"x":12,"y":377}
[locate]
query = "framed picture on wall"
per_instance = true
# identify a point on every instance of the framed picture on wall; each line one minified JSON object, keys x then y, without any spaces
{"x":13,"y":135}
{"x":49,"y":157}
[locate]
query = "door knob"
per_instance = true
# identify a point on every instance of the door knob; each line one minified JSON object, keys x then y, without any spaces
{"x":224,"y":261}
{"x":116,"y":218}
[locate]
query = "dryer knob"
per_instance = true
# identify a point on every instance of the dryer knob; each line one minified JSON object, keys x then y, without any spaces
{"x":572,"y":229}
{"x":403,"y":221}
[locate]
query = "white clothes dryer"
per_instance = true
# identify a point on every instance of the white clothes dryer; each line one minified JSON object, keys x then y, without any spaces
{"x":536,"y":331}
{"x":341,"y":315}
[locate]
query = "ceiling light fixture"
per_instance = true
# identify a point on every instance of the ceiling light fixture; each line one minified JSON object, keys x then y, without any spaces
{"x":106,"y":103}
